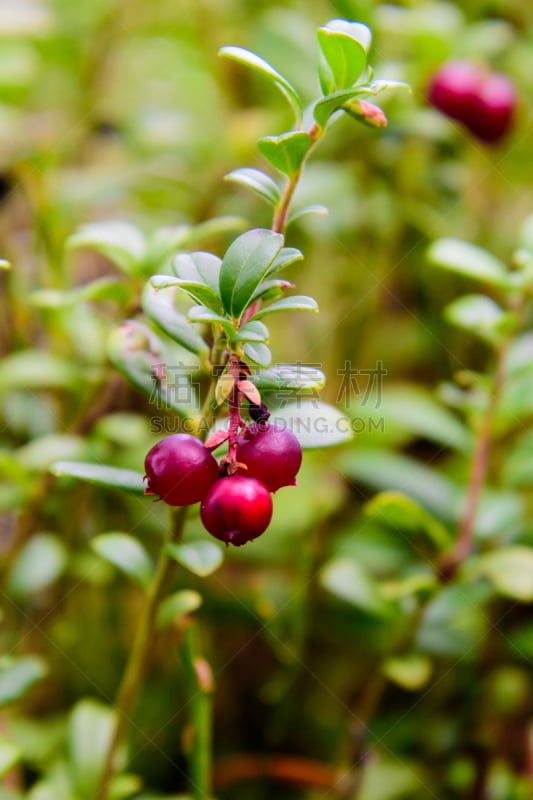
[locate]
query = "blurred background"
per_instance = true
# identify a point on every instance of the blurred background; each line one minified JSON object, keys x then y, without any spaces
{"x":330,"y":639}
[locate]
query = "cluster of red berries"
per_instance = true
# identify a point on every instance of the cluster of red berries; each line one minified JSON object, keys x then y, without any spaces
{"x":236,"y":503}
{"x":482,"y":100}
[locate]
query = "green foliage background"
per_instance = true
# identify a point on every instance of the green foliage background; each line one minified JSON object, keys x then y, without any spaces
{"x":331,"y":639}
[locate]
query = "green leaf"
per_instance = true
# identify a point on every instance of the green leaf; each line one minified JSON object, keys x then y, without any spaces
{"x":404,"y":514}
{"x":18,"y":676}
{"x":376,"y":87}
{"x":143,"y":358}
{"x":244,"y":267}
{"x":91,"y":728}
{"x":411,"y":672}
{"x":101,"y":289}
{"x":166,"y":241}
{"x":478,"y":314}
{"x":110,"y":477}
{"x":39,"y":453}
{"x":4,"y":264}
{"x":198,"y":291}
{"x":408,"y":411}
{"x":10,"y":755}
{"x":468,"y":260}
{"x":199,"y":557}
{"x":386,"y":470}
{"x":344,"y":55}
{"x":286,"y":257}
{"x":205,"y":315}
{"x":37,"y":369}
{"x":357,"y":31}
{"x":127,"y":554}
{"x":286,"y":152}
{"x":509,"y":570}
{"x":259,"y":182}
{"x":299,"y":213}
{"x":297,"y":377}
{"x":298,"y":302}
{"x":177,"y":605}
{"x":38,"y":565}
{"x":349,"y":581}
{"x":202,"y":268}
{"x":258,"y":353}
{"x":252,"y":332}
{"x":271,"y":289}
{"x":122,"y":243}
{"x":159,"y":306}
{"x":324,"y":108}
{"x":314,"y":423}
{"x":258,"y":64}
{"x":454,"y":622}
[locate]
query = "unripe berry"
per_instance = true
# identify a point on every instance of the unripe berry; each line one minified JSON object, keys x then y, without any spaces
{"x":180,"y":470}
{"x":236,"y":509}
{"x":271,"y":453}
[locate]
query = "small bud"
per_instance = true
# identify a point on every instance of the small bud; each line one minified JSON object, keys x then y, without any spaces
{"x":367,"y":112}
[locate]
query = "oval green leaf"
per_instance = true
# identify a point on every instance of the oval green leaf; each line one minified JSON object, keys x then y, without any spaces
{"x":110,"y":477}
{"x":344,"y":55}
{"x":298,"y":302}
{"x":199,"y":557}
{"x":286,"y":152}
{"x":127,"y":554}
{"x":468,"y":260}
{"x":258,"y":182}
{"x":244,"y":267}
{"x":38,"y":565}
{"x":177,"y":605}
{"x":18,"y":676}
{"x":258,"y":64}
{"x":120,"y":242}
{"x":296,"y":377}
{"x":159,"y":306}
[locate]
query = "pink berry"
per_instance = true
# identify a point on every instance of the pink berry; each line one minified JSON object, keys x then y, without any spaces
{"x":453,"y":89}
{"x":495,"y":108}
{"x":483,"y":101}
{"x":271,"y":453}
{"x":236,"y":509}
{"x":180,"y":470}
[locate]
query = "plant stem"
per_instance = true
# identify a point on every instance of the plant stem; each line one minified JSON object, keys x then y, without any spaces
{"x":199,"y":686}
{"x":282,"y":209}
{"x":281,"y":213}
{"x":133,"y":675}
{"x":478,"y":473}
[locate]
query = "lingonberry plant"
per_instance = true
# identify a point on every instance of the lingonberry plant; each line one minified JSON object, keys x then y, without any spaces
{"x":372,"y":638}
{"x":224,"y":328}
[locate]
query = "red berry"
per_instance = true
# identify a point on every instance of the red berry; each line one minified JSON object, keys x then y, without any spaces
{"x":271,"y":453}
{"x":236,"y":509}
{"x":495,"y":108}
{"x":483,"y":101}
{"x":453,"y":89}
{"x":180,"y":470}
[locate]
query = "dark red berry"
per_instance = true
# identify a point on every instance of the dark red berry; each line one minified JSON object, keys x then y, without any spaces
{"x":236,"y":509}
{"x":483,"y":101}
{"x":271,"y":453}
{"x":453,"y":89}
{"x":494,"y":108}
{"x":180,"y":470}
